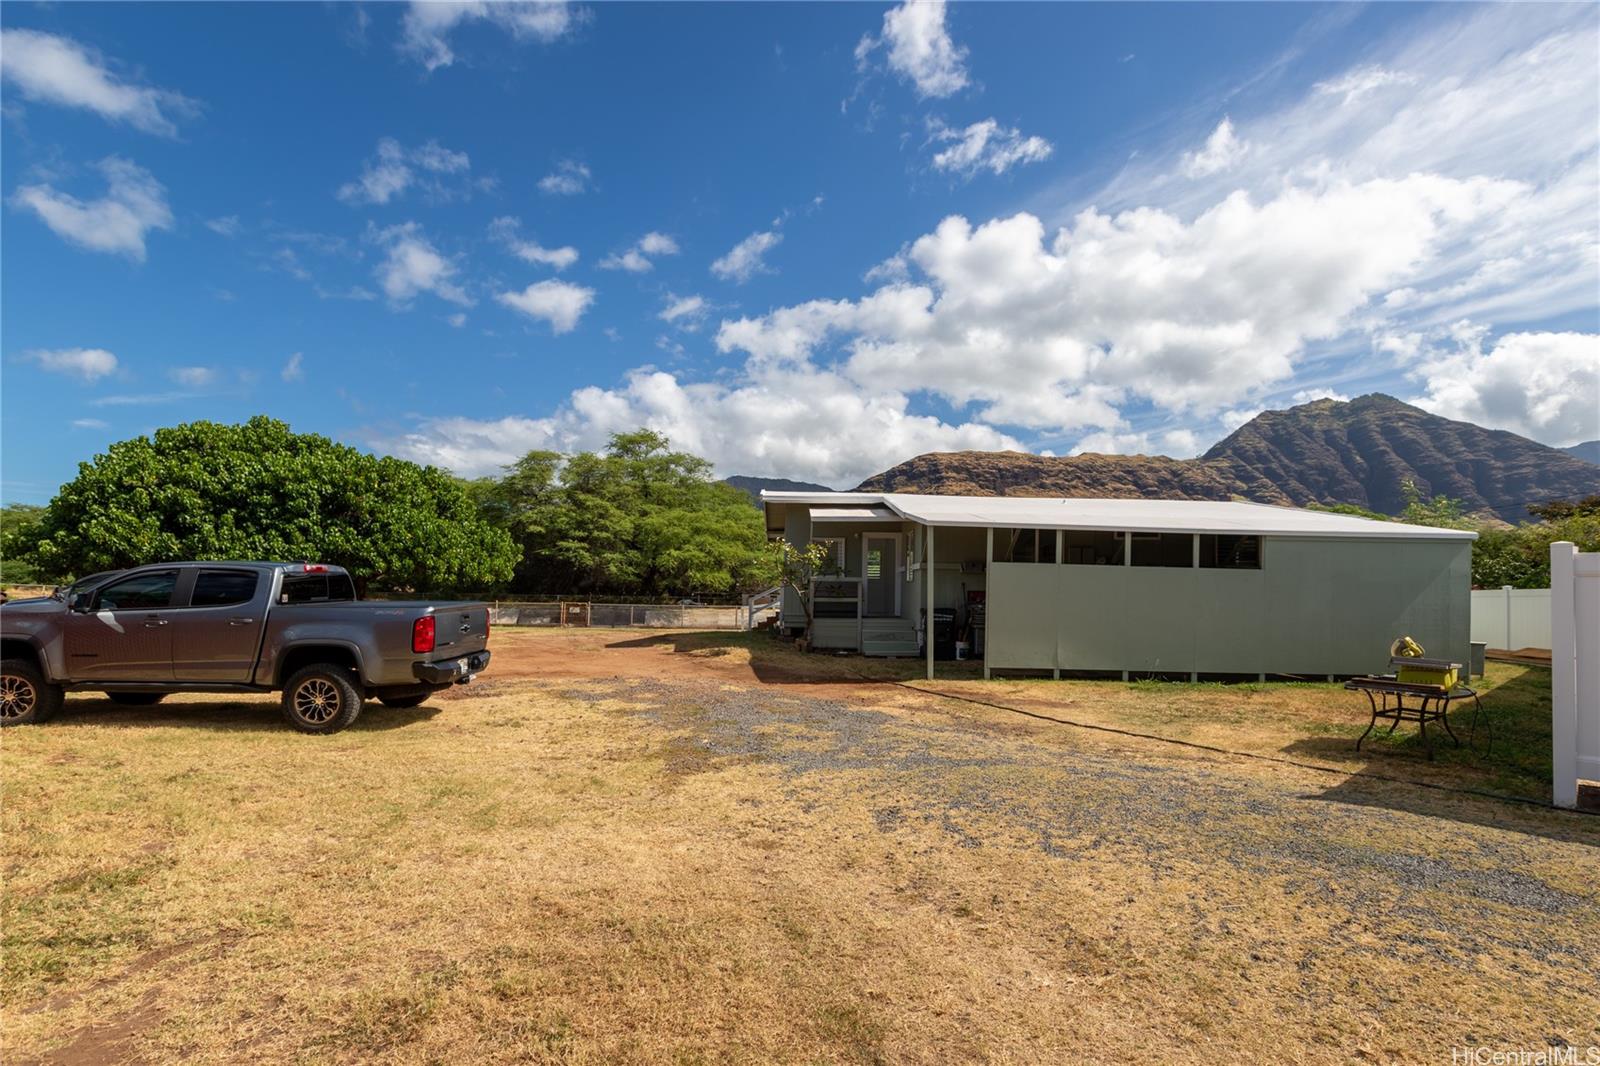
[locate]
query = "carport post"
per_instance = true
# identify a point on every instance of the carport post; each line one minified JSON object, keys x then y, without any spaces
{"x":988,"y":557}
{"x":927,"y":624}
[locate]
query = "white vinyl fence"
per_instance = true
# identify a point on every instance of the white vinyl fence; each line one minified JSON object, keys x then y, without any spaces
{"x":1510,"y":619}
{"x":1574,"y":669}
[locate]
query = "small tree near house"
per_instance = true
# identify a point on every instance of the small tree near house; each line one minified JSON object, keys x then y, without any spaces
{"x":797,"y":566}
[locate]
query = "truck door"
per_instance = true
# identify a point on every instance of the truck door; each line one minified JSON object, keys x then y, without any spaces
{"x":125,"y":636}
{"x":216,"y":627}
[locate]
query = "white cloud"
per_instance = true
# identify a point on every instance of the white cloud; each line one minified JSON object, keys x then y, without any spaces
{"x":294,"y":369}
{"x":193,"y":377}
{"x":745,"y":259}
{"x":1177,"y":443}
{"x":920,"y":48}
{"x":1221,"y":151}
{"x":412,"y":265}
{"x":795,"y":423}
{"x":427,"y":26}
{"x":636,"y":259}
{"x":1319,"y":393}
{"x":1186,"y":316}
{"x":394,"y":168}
{"x":988,"y":146}
{"x":58,"y":70}
{"x":134,"y":204}
{"x":226,"y":226}
{"x":1354,"y":84}
{"x":506,"y":230}
{"x":568,"y":179}
{"x":458,"y":319}
{"x":1487,"y":91}
{"x":559,"y":303}
{"x":686,"y":312}
{"x":1541,"y":385}
{"x":90,"y":423}
{"x":90,"y":364}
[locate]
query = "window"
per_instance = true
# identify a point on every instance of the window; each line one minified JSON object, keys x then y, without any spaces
{"x":220,"y":588}
{"x":144,"y":592}
{"x":833,"y":562}
{"x":316,"y":588}
{"x":1227,"y":551}
{"x":1163,"y":549}
{"x":1024,"y":545}
{"x":1084,"y":548}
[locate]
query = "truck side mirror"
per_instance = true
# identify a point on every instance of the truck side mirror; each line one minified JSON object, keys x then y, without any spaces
{"x":82,"y":602}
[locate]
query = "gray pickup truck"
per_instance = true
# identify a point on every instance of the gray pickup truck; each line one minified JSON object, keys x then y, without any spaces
{"x":140,"y":634}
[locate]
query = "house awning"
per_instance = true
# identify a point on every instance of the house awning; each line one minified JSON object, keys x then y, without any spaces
{"x":853,"y":514}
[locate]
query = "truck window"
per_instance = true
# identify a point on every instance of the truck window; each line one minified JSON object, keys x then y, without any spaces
{"x":316,"y":588}
{"x":220,"y":588}
{"x":142,"y":592}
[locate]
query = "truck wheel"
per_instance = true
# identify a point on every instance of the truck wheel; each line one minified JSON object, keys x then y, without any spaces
{"x":136,"y":699}
{"x":26,"y":698}
{"x":402,"y":702}
{"x":321,"y":698}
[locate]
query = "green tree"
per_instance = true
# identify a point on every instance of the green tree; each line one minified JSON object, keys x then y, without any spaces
{"x":1441,"y":511}
{"x":635,"y":519}
{"x":259,"y":491}
{"x":19,"y":536}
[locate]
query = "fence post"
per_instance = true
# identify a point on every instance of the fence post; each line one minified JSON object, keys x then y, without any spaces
{"x":1563,"y":674}
{"x":1505,"y":594}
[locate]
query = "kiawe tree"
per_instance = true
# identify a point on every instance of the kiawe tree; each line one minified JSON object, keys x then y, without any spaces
{"x":204,"y":490}
{"x":635,"y":519}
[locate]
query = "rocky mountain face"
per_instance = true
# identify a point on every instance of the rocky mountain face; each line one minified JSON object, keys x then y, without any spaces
{"x":1360,"y":451}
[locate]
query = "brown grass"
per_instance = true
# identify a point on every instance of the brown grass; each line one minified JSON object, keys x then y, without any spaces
{"x":668,"y":860}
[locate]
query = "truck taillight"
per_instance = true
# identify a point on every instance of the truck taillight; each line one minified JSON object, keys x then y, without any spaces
{"x":488,"y":623}
{"x":422,"y":634}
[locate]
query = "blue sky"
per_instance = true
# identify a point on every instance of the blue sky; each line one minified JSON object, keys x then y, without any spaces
{"x":804,"y":240}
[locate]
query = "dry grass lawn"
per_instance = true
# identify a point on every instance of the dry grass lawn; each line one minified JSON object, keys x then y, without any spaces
{"x":655,"y":847}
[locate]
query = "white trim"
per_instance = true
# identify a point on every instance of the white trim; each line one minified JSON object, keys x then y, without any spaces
{"x":1161,"y":516}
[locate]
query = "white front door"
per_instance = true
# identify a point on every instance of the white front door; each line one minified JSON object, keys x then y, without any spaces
{"x":880,"y":568}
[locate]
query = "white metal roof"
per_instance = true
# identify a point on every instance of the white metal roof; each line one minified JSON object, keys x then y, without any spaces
{"x":1159,"y":516}
{"x":871,"y":513}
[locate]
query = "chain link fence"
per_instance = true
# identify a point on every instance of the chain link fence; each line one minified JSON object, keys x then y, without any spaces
{"x":584,"y":614}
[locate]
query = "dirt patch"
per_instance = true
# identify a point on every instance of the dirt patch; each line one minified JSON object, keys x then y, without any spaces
{"x":108,"y":1043}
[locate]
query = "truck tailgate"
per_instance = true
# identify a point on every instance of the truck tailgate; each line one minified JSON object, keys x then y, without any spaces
{"x":460,"y":629}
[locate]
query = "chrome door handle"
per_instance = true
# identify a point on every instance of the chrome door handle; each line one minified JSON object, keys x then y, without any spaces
{"x":241,"y":621}
{"x":151,"y":623}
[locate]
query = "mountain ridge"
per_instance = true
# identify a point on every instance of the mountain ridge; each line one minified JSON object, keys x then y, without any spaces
{"x":1359,"y":451}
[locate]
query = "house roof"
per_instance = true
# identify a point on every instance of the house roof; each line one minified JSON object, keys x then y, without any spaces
{"x":1158,"y":516}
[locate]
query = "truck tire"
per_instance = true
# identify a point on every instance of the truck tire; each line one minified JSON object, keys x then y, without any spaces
{"x":402,"y":702}
{"x":321,"y":698}
{"x":26,"y":698}
{"x":136,"y":699}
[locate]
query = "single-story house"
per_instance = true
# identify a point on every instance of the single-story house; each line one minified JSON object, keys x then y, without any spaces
{"x":1187,"y":588}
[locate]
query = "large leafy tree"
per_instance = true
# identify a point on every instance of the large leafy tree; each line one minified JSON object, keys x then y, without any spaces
{"x":259,"y":491}
{"x":19,"y":534}
{"x":635,"y":519}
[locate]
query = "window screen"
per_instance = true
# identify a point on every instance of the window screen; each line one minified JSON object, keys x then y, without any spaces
{"x":220,"y":588}
{"x":1092,"y":549}
{"x":1163,"y":549}
{"x":833,"y":562}
{"x":1224,"y":551}
{"x":145,"y":592}
{"x":1024,"y":545}
{"x":316,"y":588}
